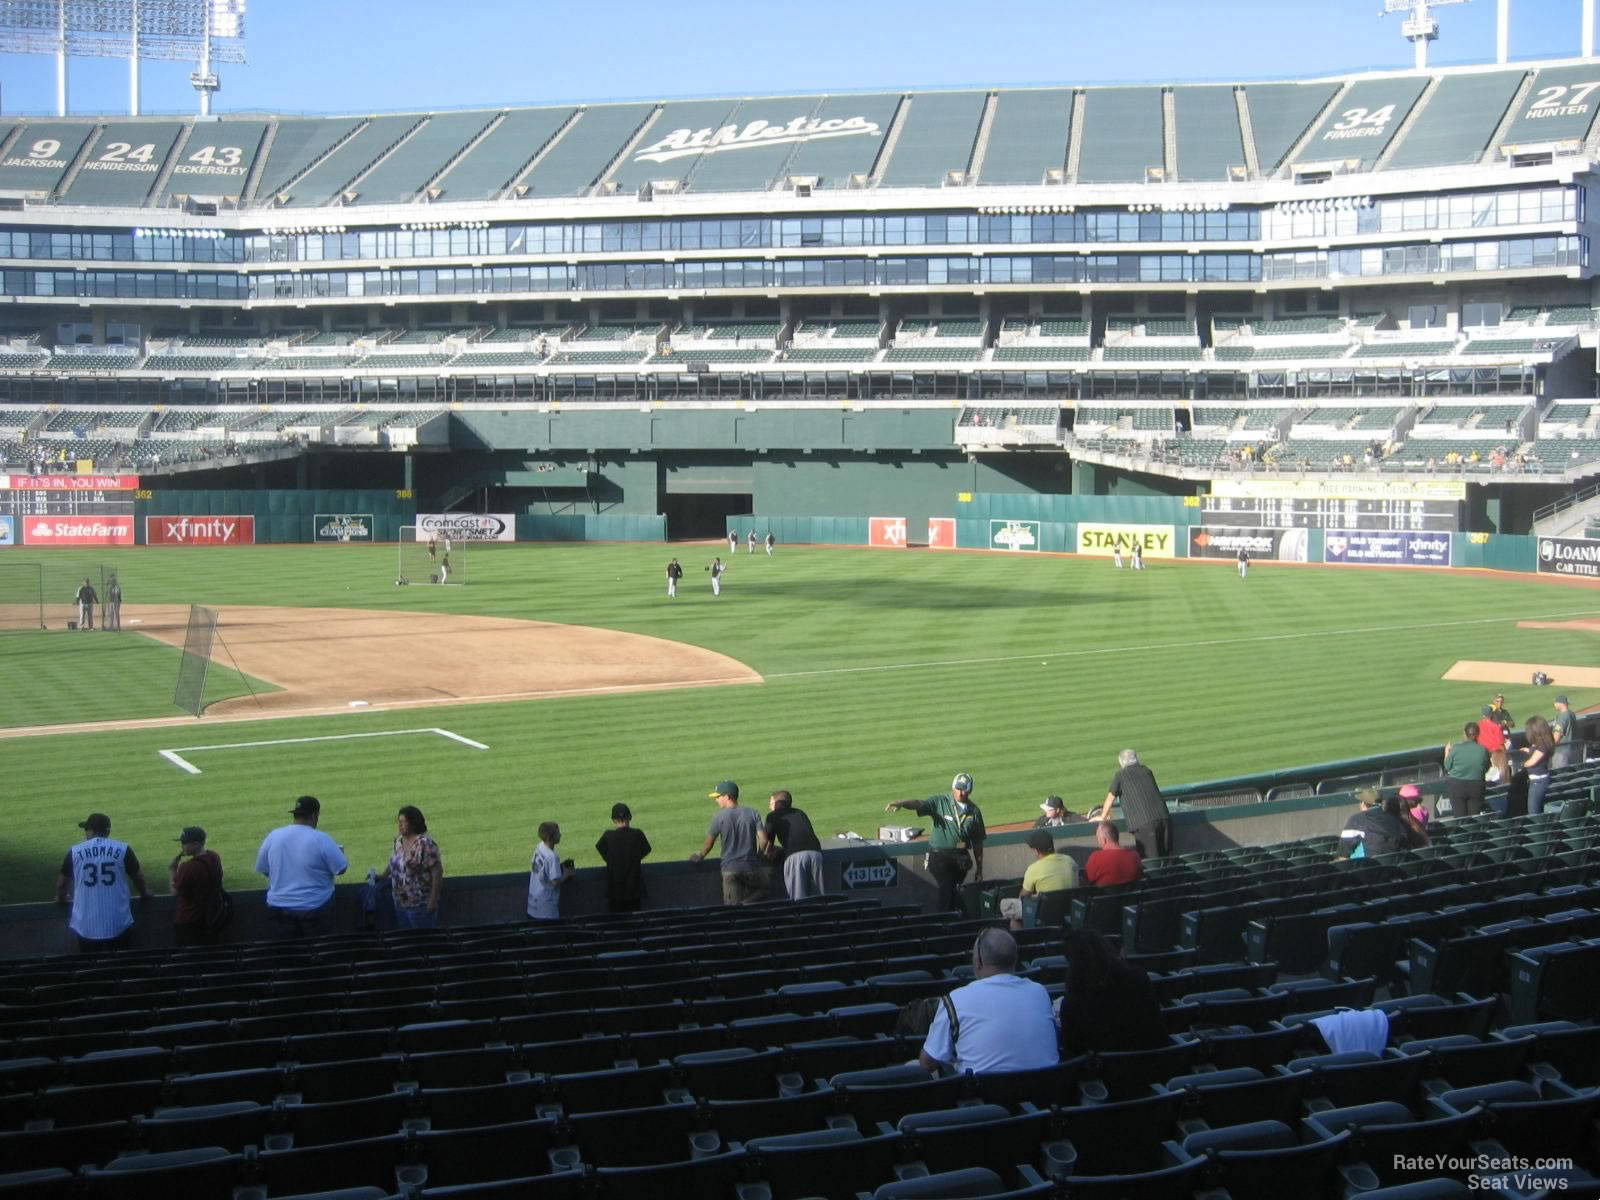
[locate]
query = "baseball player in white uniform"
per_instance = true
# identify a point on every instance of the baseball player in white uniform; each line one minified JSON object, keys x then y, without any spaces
{"x":716,"y":569}
{"x":95,"y":875}
{"x":1138,"y":557}
{"x":751,"y":541}
{"x":1244,"y":562}
{"x":1116,"y":556}
{"x":733,"y":542}
{"x":771,"y":542}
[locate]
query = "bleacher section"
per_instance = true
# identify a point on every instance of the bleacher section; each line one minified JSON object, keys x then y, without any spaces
{"x":684,"y":1053}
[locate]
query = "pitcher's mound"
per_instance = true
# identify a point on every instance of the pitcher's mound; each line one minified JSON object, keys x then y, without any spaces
{"x":1474,"y":671}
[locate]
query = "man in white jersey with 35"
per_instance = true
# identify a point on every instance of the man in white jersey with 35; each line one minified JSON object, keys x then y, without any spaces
{"x":96,"y":873}
{"x":300,"y":863}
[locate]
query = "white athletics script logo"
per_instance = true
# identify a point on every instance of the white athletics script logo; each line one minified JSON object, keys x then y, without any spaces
{"x":681,"y":143}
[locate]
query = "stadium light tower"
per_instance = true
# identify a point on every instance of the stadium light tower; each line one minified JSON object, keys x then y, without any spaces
{"x":1419,"y":28}
{"x":173,"y":30}
{"x":1502,"y":31}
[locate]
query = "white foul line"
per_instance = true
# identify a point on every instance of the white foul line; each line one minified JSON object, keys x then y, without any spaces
{"x":175,"y":756}
{"x":1149,"y":646}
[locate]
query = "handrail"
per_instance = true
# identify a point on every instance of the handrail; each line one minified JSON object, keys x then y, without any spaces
{"x":1566,"y":502}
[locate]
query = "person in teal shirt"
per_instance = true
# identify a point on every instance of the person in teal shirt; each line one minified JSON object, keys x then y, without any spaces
{"x":1465,"y":765}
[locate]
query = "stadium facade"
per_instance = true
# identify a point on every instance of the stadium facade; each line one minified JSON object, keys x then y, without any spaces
{"x":703,"y":308}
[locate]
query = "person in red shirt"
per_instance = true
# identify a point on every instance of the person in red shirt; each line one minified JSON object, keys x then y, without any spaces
{"x":1111,"y":863}
{"x":1492,"y":737}
{"x":197,"y":884}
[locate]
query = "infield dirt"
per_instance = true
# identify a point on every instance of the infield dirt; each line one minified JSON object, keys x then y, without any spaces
{"x":333,"y":659}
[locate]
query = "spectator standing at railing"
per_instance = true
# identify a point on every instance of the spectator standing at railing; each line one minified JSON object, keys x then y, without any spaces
{"x":1465,"y":765}
{"x":1492,"y":737}
{"x":1564,"y":730}
{"x":956,"y":844}
{"x":1143,"y":806}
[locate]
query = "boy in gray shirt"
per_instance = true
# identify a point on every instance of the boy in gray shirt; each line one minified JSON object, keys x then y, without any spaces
{"x":744,"y":879}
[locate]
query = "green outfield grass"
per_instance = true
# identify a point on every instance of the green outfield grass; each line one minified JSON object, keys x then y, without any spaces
{"x":885,"y":674}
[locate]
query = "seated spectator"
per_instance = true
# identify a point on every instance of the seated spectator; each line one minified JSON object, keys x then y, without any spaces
{"x":1372,"y":830}
{"x":1400,"y":809}
{"x":998,"y":1022}
{"x":1053,"y":812}
{"x":1048,"y":872}
{"x":1107,"y":1004}
{"x":1416,"y":805}
{"x":1113,"y":863}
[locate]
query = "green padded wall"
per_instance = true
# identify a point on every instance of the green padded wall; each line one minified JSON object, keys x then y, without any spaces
{"x":281,"y":515}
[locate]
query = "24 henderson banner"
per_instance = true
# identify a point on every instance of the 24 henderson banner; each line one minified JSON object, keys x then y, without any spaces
{"x":200,"y":531}
{"x":1387,"y":549}
{"x":1280,"y":545}
{"x":467,"y":527}
{"x":1570,"y":556}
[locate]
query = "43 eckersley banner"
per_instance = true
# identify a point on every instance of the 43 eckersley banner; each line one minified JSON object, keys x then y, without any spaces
{"x":200,"y":531}
{"x":1389,"y":549}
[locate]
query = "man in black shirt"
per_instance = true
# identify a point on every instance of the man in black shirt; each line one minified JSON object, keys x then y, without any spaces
{"x":789,"y":828}
{"x":623,"y":849}
{"x":1143,"y":807}
{"x":86,"y":600}
{"x":1371,"y":831}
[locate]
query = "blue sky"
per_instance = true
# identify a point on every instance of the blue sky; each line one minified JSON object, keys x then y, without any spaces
{"x":316,"y":56}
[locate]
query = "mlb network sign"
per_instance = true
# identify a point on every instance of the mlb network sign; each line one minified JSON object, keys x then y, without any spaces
{"x":200,"y":531}
{"x":1390,"y":549}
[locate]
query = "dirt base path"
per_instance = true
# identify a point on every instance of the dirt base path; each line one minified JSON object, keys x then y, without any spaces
{"x":339,"y":659}
{"x":1515,"y":672}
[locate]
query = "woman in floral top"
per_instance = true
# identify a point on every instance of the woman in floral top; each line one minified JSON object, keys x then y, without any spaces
{"x":415,"y":872}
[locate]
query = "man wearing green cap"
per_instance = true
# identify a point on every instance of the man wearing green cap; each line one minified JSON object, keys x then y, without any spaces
{"x":956,"y":844}
{"x":744,"y":880}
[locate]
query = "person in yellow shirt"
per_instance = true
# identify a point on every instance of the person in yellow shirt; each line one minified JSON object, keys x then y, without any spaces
{"x":1049,"y":872}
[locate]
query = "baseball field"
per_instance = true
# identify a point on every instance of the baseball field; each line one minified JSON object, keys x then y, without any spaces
{"x":561,"y":679}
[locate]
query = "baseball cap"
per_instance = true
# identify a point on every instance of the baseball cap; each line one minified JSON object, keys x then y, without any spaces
{"x":1411,"y":792}
{"x":192,"y":833}
{"x":96,"y":823}
{"x":1052,"y":802}
{"x":727,"y":788}
{"x":306,"y":806}
{"x":1368,"y":796}
{"x":1563,"y":700}
{"x":1488,"y":710}
{"x":961,"y":783}
{"x":621,"y":812}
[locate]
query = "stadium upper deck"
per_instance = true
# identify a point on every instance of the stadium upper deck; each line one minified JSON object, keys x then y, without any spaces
{"x":966,"y":140}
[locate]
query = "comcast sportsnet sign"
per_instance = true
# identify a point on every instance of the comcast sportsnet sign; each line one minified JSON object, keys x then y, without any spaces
{"x":76,"y":531}
{"x":467,"y":527}
{"x":200,"y":531}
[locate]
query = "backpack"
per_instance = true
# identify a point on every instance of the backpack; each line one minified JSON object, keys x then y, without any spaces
{"x":221,"y":914}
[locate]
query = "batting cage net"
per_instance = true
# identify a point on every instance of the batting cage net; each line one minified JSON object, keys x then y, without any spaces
{"x":424,"y":557}
{"x":21,"y":596}
{"x":195,"y":664}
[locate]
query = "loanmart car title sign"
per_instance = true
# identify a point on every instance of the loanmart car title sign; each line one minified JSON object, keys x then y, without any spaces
{"x":681,"y":143}
{"x":1569,"y":556}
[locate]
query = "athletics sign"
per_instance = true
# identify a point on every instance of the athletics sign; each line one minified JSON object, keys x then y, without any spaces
{"x":1013,"y":535}
{"x":682,"y":143}
{"x":342,"y":527}
{"x":1570,"y":556}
